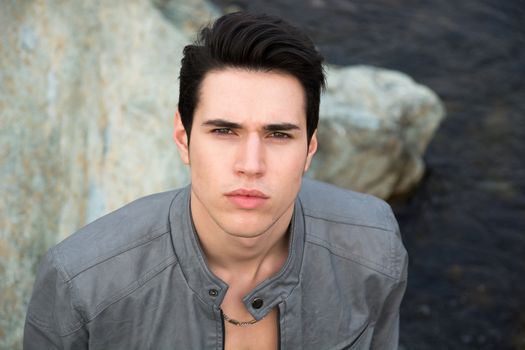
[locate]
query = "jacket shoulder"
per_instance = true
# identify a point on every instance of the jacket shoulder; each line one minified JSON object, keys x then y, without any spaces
{"x":355,"y":226}
{"x":332,"y":203}
{"x":122,"y":230}
{"x":116,"y":254}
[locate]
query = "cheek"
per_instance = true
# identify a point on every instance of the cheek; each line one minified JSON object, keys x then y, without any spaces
{"x":291,"y":162}
{"x":207,"y":164}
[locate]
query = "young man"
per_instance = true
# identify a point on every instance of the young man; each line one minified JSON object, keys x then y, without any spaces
{"x":246,"y":257}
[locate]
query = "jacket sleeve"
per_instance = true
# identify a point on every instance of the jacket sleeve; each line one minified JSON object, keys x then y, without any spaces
{"x":386,"y":330}
{"x":51,"y":320}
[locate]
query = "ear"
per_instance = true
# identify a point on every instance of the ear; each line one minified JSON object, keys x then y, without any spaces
{"x":181,"y":139}
{"x":312,"y":148}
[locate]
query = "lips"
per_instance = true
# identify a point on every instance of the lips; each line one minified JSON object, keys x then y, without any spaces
{"x":247,"y":198}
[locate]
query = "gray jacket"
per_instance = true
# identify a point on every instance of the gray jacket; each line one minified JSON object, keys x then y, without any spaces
{"x":137,"y":279}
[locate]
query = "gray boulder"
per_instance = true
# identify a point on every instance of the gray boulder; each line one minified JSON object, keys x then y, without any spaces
{"x":374,"y":128}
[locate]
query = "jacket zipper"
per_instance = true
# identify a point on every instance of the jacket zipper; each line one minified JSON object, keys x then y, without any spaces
{"x":278,"y":327}
{"x":223,"y":331}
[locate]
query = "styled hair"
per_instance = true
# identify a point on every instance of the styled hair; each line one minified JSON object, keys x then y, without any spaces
{"x":253,"y":42}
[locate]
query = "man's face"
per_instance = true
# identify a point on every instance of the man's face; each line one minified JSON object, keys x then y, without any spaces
{"x":248,"y":151}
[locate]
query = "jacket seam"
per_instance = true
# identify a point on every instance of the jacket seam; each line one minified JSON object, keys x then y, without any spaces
{"x":153,"y":235}
{"x":74,"y":292}
{"x":148,"y":276}
{"x":358,"y":260}
{"x":218,"y":324}
{"x":358,"y":338}
{"x":289,"y":270}
{"x":138,"y":283}
{"x":394,"y":258}
{"x":40,"y":324}
{"x":195,"y":244}
{"x":347,"y":223}
{"x":31,"y":318}
{"x":283,"y":329}
{"x":58,"y":257}
{"x":63,"y":279}
{"x":302,"y":257}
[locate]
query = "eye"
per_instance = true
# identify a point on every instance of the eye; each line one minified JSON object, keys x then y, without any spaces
{"x":222,"y":131}
{"x":279,"y":135}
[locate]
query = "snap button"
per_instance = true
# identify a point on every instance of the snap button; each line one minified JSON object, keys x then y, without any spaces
{"x":213,"y":292}
{"x":257,"y":303}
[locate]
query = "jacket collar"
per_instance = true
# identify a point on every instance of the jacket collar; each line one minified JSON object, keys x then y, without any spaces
{"x":209,"y":288}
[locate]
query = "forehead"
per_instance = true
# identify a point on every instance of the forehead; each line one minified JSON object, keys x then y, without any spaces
{"x":244,"y":95}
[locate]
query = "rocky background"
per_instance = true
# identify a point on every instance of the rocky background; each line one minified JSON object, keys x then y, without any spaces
{"x":88,"y":90}
{"x":87,"y":94}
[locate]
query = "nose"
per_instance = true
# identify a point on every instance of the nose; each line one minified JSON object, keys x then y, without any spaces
{"x":250,"y":158}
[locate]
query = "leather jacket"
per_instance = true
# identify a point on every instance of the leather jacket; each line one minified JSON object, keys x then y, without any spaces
{"x":137,"y":279}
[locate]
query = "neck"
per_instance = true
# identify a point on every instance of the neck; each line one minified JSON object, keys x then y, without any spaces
{"x":243,"y":260}
{"x":247,"y":260}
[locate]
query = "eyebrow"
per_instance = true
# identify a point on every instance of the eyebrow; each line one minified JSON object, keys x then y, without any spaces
{"x":221,"y":123}
{"x":281,"y":127}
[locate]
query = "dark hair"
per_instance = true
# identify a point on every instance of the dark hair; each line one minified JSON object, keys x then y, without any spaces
{"x":258,"y":42}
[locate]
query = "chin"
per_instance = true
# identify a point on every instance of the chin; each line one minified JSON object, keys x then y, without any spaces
{"x":245,"y":233}
{"x":249,"y":225}
{"x":245,"y":230}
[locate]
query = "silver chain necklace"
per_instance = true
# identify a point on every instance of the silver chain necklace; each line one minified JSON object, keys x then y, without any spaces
{"x":239,"y":323}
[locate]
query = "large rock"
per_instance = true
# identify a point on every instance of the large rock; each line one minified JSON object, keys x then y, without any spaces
{"x":87,"y":93}
{"x":375,"y":126}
